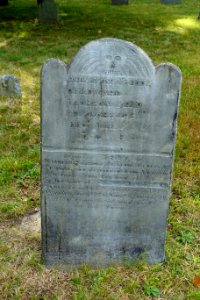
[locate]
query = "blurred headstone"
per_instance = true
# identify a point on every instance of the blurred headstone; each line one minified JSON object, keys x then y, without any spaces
{"x":9,"y":86}
{"x":48,"y":11}
{"x":119,"y":2}
{"x":170,"y":1}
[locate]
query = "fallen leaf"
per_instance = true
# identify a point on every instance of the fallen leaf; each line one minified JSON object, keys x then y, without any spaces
{"x":196,"y":281}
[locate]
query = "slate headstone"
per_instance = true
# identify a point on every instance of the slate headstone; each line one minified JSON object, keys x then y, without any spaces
{"x":170,"y":1}
{"x":119,"y":2}
{"x":108,"y":136}
{"x":9,"y":86}
{"x":48,"y":11}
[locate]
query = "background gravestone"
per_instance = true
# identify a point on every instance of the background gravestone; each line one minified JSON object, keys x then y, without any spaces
{"x":119,"y":2}
{"x":108,"y":135}
{"x":48,"y":11}
{"x":170,"y":1}
{"x":9,"y":86}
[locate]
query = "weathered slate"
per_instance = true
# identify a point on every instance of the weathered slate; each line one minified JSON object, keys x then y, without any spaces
{"x":108,"y":136}
{"x":10,"y":86}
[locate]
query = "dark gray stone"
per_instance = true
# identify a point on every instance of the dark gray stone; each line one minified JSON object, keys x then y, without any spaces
{"x":119,"y":2}
{"x":9,"y":86}
{"x":48,"y":11}
{"x":108,"y":136}
{"x":170,"y":1}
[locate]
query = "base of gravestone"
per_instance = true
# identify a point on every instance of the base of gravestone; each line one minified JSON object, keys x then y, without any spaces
{"x":3,"y":2}
{"x":119,"y":2}
{"x":48,"y":11}
{"x":170,"y":1}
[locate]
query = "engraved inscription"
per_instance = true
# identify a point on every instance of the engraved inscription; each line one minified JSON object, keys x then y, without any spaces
{"x":95,"y":179}
{"x":127,"y":81}
{"x":101,"y":108}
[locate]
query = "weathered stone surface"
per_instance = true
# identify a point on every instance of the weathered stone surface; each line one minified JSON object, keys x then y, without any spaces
{"x":9,"y":86}
{"x":48,"y":11}
{"x":119,"y":2}
{"x":170,"y":1}
{"x":108,"y":135}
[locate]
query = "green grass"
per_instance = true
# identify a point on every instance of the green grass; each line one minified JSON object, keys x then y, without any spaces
{"x":166,"y":33}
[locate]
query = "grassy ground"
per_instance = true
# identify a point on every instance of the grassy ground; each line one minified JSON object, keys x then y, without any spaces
{"x":166,"y":33}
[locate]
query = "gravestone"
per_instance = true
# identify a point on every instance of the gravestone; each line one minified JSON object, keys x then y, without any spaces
{"x":108,"y":136}
{"x":119,"y":2}
{"x":9,"y":86}
{"x":48,"y":11}
{"x":170,"y":1}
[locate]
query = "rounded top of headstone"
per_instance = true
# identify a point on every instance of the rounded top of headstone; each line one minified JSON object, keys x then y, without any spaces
{"x":112,"y":57}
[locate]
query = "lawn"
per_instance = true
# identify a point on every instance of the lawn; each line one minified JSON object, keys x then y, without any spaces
{"x":167,"y":33}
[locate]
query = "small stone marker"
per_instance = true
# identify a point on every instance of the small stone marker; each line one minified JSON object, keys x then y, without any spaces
{"x":108,"y":136}
{"x":170,"y":1}
{"x":48,"y":11}
{"x":119,"y":2}
{"x":31,"y":222}
{"x":9,"y":86}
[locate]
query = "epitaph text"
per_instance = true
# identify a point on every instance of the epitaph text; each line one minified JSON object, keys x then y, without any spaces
{"x":108,"y":136}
